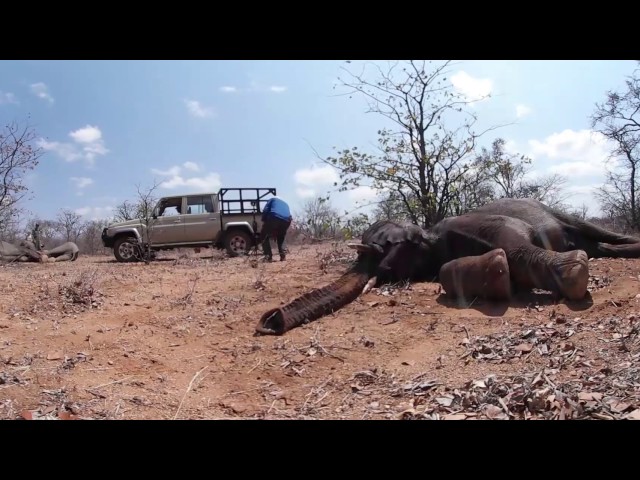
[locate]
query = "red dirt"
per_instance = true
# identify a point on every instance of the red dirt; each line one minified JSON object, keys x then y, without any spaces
{"x":135,"y":352}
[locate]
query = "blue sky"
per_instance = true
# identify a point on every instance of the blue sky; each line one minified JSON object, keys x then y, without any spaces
{"x":199,"y":125}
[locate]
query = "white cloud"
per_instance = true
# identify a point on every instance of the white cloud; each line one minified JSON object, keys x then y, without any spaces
{"x":41,"y":90}
{"x":88,"y":134}
{"x":307,"y":179}
{"x":7,"y":97}
{"x":191,"y":166}
{"x":198,"y":110}
{"x":206,"y":183}
{"x":81,"y":182}
{"x":363,"y":195}
{"x":88,"y":144}
{"x":255,"y":87}
{"x":96,"y":213}
{"x":304,"y":192}
{"x":522,"y":110}
{"x":574,"y":153}
{"x":472,"y":88}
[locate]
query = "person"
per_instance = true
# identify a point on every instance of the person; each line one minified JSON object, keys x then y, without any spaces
{"x":276,"y":219}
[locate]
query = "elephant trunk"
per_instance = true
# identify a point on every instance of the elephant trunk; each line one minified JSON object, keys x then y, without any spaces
{"x":314,"y":304}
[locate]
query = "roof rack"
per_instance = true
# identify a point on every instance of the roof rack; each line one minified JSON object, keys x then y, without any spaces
{"x":243,"y":200}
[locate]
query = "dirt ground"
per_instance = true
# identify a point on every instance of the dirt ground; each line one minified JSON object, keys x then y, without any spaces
{"x":95,"y":339}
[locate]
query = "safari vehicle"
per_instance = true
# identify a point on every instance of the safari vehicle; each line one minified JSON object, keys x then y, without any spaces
{"x":228,"y":219}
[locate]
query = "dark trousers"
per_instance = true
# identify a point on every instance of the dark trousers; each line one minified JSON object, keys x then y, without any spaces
{"x":273,"y":226}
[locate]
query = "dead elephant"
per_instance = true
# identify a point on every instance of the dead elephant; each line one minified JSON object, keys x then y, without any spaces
{"x":26,"y":251}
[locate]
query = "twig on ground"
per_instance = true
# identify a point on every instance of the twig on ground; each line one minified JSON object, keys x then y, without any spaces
{"x":189,"y":388}
{"x":255,"y":366}
{"x":111,"y":383}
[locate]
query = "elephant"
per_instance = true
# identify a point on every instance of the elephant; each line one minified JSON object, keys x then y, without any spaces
{"x":545,"y":249}
{"x":485,"y":276}
{"x":26,"y":251}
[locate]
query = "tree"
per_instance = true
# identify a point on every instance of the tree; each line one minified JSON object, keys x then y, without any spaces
{"x":507,"y":175}
{"x":125,"y":211}
{"x":69,"y":224}
{"x":91,"y":236}
{"x":319,"y":219}
{"x":18,"y":156}
{"x":618,"y":119}
{"x":428,"y":151}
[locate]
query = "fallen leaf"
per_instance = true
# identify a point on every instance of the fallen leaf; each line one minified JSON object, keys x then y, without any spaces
{"x":455,"y":416}
{"x":635,"y":415}
{"x":589,"y":396}
{"x":55,"y":355}
{"x":28,"y":414}
{"x":524,"y":348}
{"x":619,"y":407}
{"x":445,"y":401}
{"x":495,"y":413}
{"x":373,"y":304}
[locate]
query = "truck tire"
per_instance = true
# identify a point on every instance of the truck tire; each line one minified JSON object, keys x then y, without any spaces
{"x":238,"y":242}
{"x":125,"y":249}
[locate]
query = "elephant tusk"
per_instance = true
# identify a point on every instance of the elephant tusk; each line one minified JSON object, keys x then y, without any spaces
{"x":369,"y":285}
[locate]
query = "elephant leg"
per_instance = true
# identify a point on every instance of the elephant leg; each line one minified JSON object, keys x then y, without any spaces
{"x":485,"y":276}
{"x":563,"y":273}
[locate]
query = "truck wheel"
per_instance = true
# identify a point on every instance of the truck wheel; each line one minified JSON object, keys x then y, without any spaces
{"x":125,"y":249}
{"x":238,"y":242}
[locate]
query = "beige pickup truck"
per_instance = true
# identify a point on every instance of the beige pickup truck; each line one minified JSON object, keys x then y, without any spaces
{"x":229,"y":219}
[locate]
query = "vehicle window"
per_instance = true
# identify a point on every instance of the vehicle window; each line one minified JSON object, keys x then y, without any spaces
{"x":170,"y":206}
{"x":199,"y":204}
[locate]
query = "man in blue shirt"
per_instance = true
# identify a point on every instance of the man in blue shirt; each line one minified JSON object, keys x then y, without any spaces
{"x":276,"y":219}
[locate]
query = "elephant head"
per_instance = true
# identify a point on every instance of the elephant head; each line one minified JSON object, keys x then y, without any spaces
{"x":388,"y":251}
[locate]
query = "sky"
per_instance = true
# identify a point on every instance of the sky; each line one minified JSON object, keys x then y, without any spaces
{"x":196,"y":126}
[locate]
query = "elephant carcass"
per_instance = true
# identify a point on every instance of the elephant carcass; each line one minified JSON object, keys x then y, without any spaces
{"x":25,"y":251}
{"x":387,"y":252}
{"x":22,"y":252}
{"x":66,"y":252}
{"x":545,"y":249}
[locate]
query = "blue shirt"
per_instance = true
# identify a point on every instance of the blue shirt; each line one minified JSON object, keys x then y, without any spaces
{"x":276,"y":207}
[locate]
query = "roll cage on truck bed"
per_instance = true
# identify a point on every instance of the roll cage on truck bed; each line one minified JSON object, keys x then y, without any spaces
{"x":229,"y":219}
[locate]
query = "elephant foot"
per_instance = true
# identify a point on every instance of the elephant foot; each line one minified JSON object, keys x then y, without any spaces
{"x":486,"y":276}
{"x":572,"y":269}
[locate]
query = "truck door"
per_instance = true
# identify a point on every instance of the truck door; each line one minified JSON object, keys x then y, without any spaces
{"x":169,"y":226}
{"x":201,"y":222}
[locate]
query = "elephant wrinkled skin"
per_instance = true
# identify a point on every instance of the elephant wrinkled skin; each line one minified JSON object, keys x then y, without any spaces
{"x":544,"y":248}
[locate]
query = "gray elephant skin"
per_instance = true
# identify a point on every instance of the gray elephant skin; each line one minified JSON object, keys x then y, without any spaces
{"x":545,"y":249}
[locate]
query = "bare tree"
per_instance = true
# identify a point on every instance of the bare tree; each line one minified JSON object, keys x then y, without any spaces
{"x":618,"y":119}
{"x":69,"y":224}
{"x":91,"y":236}
{"x":125,"y":211}
{"x":18,"y":155}
{"x":145,"y":204}
{"x":319,"y":219}
{"x":430,"y":148}
{"x":506,"y":174}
